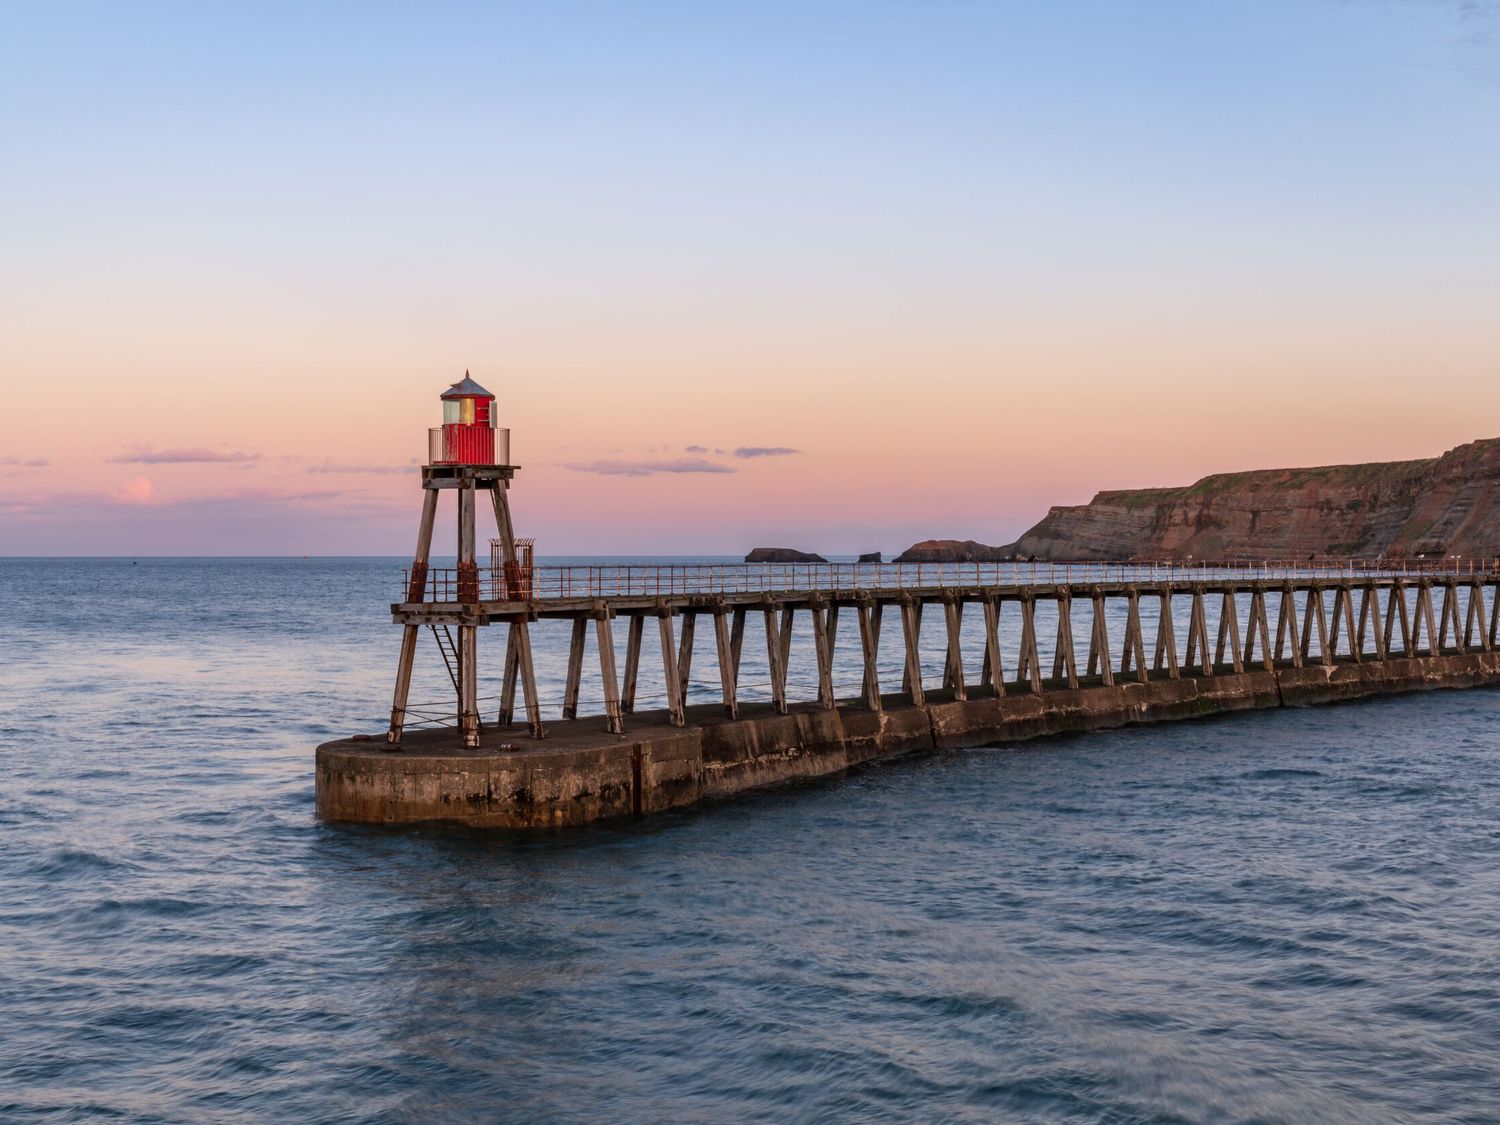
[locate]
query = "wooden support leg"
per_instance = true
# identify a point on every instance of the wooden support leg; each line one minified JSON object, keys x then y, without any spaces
{"x":1198,"y":649}
{"x":1319,"y":614}
{"x":685,"y":653}
{"x":1166,"y":638}
{"x":728,"y":662}
{"x":1494,"y":617}
{"x":669,"y":667}
{"x":994,"y":667}
{"x":512,"y":673}
{"x":1340,"y":605}
{"x":1286,"y":628}
{"x":528,"y":680}
{"x":787,"y":615}
{"x":1450,"y":619}
{"x":833,"y":631}
{"x":1397,"y":612}
{"x":953,"y":665}
{"x":1474,"y":619}
{"x":1257,"y":629}
{"x":1065,"y":661}
{"x":1134,"y":653}
{"x":917,"y":616}
{"x":1101,"y":643}
{"x":911,"y":626}
{"x":575,"y":668}
{"x":736,"y":645}
{"x":1424,"y":603}
{"x":468,"y":688}
{"x":1369,"y":610}
{"x":1349,"y":626}
{"x":869,"y":643}
{"x":403,"y":684}
{"x":614,"y":718}
{"x":778,"y":669}
{"x":1229,"y":629}
{"x":633,"y":634}
{"x":416,"y":591}
{"x":1031,"y":663}
{"x":824,"y":655}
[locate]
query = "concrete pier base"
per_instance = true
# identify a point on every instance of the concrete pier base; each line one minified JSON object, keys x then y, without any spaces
{"x":581,"y":773}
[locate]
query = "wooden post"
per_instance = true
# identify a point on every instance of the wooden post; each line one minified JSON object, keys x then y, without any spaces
{"x":728,"y":660}
{"x":685,"y":653}
{"x":1315,"y":616}
{"x":575,"y":668}
{"x":911,"y":625}
{"x":1166,"y":637}
{"x":787,"y":616}
{"x":1450,"y":617}
{"x":512,"y":671}
{"x":1134,"y":652}
{"x":1424,"y":608}
{"x":416,"y":591}
{"x":1256,"y":628}
{"x":633,"y":634}
{"x":1397,"y":610}
{"x":869,"y":643}
{"x":614,"y":719}
{"x":917,"y":617}
{"x":736,"y":643}
{"x":1286,"y":627}
{"x":1474,"y":619}
{"x":822,"y":650}
{"x":773,"y":655}
{"x":1369,"y":603}
{"x":669,"y":666}
{"x":833,"y":630}
{"x":953,"y":666}
{"x":1340,"y":613}
{"x":994,"y":667}
{"x":528,"y":679}
{"x":1198,"y":636}
{"x":1099,"y":642}
{"x":1494,"y":617}
{"x":1030,"y":668}
{"x":1229,"y":629}
{"x":468,"y":640}
{"x":1064,"y":661}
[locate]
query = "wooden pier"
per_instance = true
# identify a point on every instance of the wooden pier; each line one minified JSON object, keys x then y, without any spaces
{"x":1189,"y":641}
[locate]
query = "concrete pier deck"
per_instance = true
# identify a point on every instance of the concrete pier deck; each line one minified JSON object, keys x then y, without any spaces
{"x":581,"y":773}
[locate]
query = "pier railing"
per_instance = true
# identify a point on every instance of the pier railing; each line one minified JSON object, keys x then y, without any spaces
{"x":543,"y":583}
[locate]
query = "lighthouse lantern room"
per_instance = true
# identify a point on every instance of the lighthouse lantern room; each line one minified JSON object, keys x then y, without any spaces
{"x":468,"y":435}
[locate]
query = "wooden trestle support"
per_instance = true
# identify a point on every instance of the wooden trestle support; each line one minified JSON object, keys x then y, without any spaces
{"x":467,"y":480}
{"x":1324,"y":634}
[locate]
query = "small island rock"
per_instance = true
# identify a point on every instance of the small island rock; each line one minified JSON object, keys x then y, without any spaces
{"x":871,"y":557}
{"x":953,"y":550}
{"x":782,"y":555}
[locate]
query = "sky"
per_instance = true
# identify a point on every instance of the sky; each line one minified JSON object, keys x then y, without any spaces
{"x":830,"y":275}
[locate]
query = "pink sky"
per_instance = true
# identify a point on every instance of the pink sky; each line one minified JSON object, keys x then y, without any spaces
{"x":966,"y":263}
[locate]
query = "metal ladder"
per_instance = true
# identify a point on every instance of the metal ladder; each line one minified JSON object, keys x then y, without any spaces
{"x":449,"y":650}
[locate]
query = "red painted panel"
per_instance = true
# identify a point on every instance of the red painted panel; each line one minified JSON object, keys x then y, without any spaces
{"x":469,"y":445}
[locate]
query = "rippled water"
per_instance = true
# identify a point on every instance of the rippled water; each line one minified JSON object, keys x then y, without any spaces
{"x":1289,"y":916}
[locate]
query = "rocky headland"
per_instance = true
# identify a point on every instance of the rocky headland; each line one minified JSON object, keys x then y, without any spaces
{"x":1448,"y":505}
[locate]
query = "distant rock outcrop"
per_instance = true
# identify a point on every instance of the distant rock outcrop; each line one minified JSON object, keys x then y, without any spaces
{"x":1448,"y":505}
{"x":952,"y":550}
{"x":872,"y":557}
{"x":782,"y":555}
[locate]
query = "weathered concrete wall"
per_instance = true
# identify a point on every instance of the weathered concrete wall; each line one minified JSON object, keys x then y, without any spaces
{"x":582,"y":775}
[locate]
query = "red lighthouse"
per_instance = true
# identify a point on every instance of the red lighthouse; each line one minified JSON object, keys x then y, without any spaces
{"x":468,"y":435}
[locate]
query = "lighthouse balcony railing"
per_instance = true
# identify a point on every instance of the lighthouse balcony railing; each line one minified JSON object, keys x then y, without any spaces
{"x":461,"y":444}
{"x":533,"y":583}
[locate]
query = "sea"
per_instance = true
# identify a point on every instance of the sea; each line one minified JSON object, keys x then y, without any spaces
{"x":1286,"y":916}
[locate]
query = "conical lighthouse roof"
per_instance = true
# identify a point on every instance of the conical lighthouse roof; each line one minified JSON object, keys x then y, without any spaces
{"x":466,"y":388}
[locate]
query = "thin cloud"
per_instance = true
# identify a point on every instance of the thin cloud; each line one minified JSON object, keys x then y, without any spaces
{"x":30,"y":463}
{"x":181,"y":457}
{"x":611,"y":468}
{"x":748,"y":451}
{"x":384,"y":469}
{"x":695,"y":449}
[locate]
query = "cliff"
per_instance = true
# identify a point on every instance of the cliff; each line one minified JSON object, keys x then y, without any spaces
{"x":1448,"y":505}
